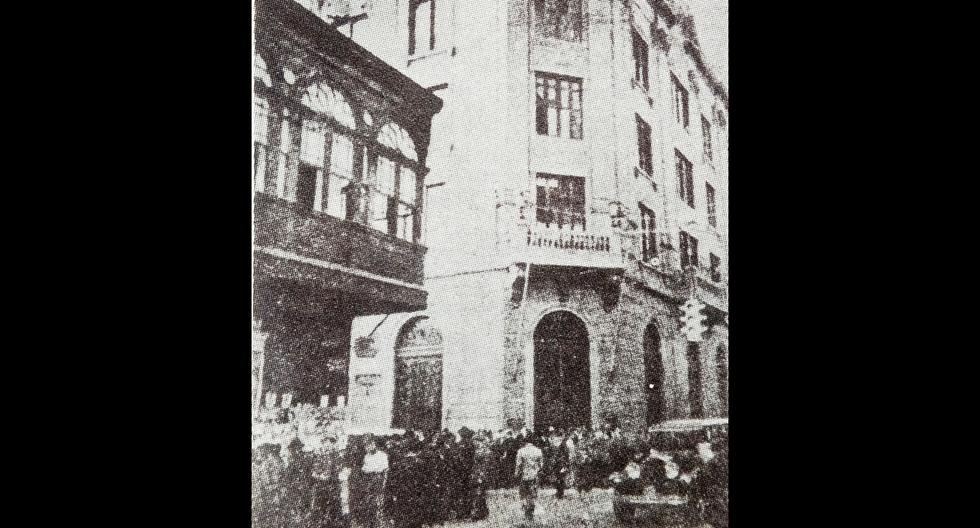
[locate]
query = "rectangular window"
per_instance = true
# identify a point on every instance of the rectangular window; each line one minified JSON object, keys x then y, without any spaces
{"x":559,"y":19}
{"x":421,"y":26}
{"x":715,"y":267}
{"x":309,"y":179}
{"x":648,"y":232}
{"x":706,"y":134}
{"x":643,"y":136}
{"x":306,"y":184}
{"x":709,"y":192}
{"x":561,"y":201}
{"x":685,"y":178}
{"x":641,"y":61}
{"x":680,"y":102}
{"x":260,"y":138}
{"x":407,"y":200}
{"x":383,"y":195}
{"x":694,"y":380}
{"x":312,"y":141}
{"x":558,"y":107}
{"x":688,"y":250}
{"x":282,"y":165}
{"x":394,"y":199}
{"x":341,"y":174}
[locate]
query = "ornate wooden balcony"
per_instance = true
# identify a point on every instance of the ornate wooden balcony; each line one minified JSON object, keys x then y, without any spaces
{"x":302,"y":245}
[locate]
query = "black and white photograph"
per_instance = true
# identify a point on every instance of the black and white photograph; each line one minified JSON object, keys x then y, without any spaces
{"x":490,"y":260}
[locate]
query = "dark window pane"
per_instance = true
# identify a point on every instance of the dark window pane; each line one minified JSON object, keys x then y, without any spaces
{"x":306,"y":186}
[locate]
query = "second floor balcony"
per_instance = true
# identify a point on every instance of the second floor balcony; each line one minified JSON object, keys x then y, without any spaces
{"x":287,"y":231}
{"x":583,"y":240}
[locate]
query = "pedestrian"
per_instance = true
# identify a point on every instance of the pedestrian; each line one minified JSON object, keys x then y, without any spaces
{"x":407,"y":495}
{"x":268,"y":475}
{"x":711,"y":485}
{"x":432,"y":483}
{"x":483,"y":459}
{"x":564,"y":451}
{"x":528,"y":467}
{"x":464,"y":458}
{"x":298,"y":486}
{"x":373,"y":473}
{"x":511,"y":444}
{"x":326,"y":509}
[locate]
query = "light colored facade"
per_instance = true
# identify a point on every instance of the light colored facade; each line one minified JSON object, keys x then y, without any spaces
{"x":586,"y":240}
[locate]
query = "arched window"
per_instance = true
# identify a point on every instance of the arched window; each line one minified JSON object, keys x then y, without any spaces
{"x":324,"y":100}
{"x":394,"y":136}
{"x":260,"y":71}
{"x":324,"y":177}
{"x":395,"y":195}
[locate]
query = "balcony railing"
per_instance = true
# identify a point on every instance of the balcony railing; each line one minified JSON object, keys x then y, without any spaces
{"x":574,"y":245}
{"x":286,"y":227}
{"x":567,"y":239}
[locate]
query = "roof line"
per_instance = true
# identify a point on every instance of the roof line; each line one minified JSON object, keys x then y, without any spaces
{"x":691,"y":47}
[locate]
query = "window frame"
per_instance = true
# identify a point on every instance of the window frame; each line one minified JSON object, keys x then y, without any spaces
{"x":549,"y":23}
{"x":685,"y":174}
{"x":644,"y":140}
{"x":688,"y":250}
{"x":706,"y":137}
{"x":641,"y":65}
{"x":261,"y":114}
{"x":710,"y":199}
{"x":681,"y":102}
{"x":413,"y":45}
{"x":648,"y":233}
{"x":544,"y":104}
{"x":569,"y":205}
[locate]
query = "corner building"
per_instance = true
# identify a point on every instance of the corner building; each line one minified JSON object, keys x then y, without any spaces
{"x":577,"y":197}
{"x":339,"y":140}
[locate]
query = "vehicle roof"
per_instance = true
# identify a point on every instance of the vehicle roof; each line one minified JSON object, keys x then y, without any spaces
{"x":688,"y":424}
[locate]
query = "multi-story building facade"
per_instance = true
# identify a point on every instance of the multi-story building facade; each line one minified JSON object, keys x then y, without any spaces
{"x":577,"y":197}
{"x":340,"y":140}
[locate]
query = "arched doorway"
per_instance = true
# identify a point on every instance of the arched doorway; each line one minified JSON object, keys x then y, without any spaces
{"x":418,"y":377}
{"x":562,"y":388}
{"x":653,"y":366}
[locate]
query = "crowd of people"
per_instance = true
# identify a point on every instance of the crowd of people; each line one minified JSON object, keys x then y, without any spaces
{"x":414,"y":479}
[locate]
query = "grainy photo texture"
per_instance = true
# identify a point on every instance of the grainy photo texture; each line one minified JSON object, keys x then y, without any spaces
{"x":490,"y":263}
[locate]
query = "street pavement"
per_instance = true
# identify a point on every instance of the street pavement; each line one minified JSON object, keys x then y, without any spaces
{"x":588,"y":510}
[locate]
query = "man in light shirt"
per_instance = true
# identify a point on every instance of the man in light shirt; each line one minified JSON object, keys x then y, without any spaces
{"x":373,"y":472}
{"x":528,"y":466}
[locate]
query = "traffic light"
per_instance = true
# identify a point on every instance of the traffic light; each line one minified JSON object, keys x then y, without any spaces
{"x":697,"y":327}
{"x":687,"y":317}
